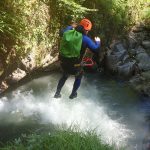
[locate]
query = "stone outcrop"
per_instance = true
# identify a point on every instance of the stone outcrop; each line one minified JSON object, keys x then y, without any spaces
{"x":29,"y":69}
{"x":118,"y":60}
{"x":130,"y":58}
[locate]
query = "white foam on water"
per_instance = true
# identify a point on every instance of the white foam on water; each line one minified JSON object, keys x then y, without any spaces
{"x":86,"y":113}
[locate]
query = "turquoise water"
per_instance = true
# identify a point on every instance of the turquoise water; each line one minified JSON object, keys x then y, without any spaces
{"x":103,"y":104}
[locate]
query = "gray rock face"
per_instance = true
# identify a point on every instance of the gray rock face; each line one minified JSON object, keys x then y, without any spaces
{"x":132,"y":42}
{"x":146,"y":44}
{"x":143,"y":61}
{"x":134,"y":61}
{"x":127,"y":69}
{"x":119,"y":61}
{"x":139,"y":50}
{"x":111,"y":62}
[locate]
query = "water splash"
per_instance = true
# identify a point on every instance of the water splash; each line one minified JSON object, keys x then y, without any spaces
{"x":86,"y":112}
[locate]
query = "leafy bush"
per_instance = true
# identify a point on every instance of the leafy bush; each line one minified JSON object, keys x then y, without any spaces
{"x":33,"y":26}
{"x":115,"y":17}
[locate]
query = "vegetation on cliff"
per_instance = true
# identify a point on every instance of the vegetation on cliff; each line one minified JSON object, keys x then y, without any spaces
{"x":32,"y":27}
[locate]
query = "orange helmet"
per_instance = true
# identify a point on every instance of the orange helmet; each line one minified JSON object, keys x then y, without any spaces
{"x":86,"y":24}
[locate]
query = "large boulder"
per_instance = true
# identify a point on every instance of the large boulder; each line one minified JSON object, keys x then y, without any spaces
{"x":143,"y":59}
{"x":111,"y":62}
{"x":115,"y":55}
{"x":132,"y":42}
{"x":127,"y":69}
{"x":118,"y":61}
{"x":131,"y":58}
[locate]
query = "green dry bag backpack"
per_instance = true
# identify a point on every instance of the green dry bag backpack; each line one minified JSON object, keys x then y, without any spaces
{"x":71,"y":44}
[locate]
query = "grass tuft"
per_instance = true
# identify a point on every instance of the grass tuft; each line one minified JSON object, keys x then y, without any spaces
{"x":59,"y":140}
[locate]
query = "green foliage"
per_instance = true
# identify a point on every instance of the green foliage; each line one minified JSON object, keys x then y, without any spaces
{"x":115,"y":16}
{"x":11,"y":28}
{"x":146,"y":13}
{"x":59,"y":139}
{"x":135,"y":10}
{"x":10,"y":23}
{"x":33,"y":26}
{"x":63,"y":12}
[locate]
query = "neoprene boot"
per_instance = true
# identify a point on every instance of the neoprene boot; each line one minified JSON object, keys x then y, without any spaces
{"x":73,"y":95}
{"x":57,"y":95}
{"x":76,"y":85}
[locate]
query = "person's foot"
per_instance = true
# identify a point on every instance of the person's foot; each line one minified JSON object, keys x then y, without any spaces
{"x":73,"y":95}
{"x":57,"y":95}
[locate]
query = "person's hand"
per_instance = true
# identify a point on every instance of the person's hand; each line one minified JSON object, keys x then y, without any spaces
{"x":97,"y":39}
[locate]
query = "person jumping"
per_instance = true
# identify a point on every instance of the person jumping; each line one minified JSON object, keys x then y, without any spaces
{"x":72,"y":48}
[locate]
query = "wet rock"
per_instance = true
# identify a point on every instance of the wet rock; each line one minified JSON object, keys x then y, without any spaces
{"x":132,"y":42}
{"x":132,"y":61}
{"x":132,"y":52}
{"x":126,"y":59}
{"x":118,"y":61}
{"x":139,"y":50}
{"x":119,"y":47}
{"x":111,"y":62}
{"x":146,"y":44}
{"x":143,"y":60}
{"x":127,"y":69}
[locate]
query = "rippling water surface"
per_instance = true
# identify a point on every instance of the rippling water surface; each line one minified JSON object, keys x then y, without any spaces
{"x":107,"y":106}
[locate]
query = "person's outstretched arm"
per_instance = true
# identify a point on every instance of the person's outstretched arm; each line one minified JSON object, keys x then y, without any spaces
{"x":93,"y":46}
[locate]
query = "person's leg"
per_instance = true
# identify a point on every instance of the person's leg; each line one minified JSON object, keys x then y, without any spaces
{"x":76,"y":85}
{"x":60,"y":85}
